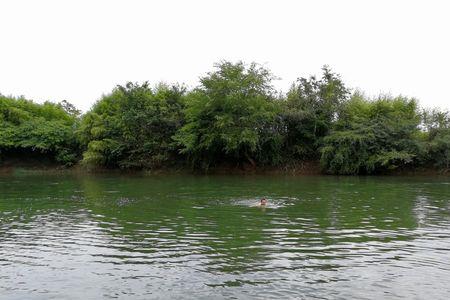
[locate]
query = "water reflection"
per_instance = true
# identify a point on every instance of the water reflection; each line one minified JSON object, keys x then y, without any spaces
{"x":199,"y":237}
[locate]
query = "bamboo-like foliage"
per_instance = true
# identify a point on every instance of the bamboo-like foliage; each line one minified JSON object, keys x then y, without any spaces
{"x":233,"y":118}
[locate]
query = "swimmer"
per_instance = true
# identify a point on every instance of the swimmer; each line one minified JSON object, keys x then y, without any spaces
{"x":263,"y":202}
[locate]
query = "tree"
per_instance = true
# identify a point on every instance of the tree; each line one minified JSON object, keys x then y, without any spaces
{"x":436,"y":124}
{"x":47,"y":129}
{"x":311,"y":107}
{"x":70,"y":108}
{"x":132,"y":127}
{"x":232,"y":117}
{"x":373,"y":136}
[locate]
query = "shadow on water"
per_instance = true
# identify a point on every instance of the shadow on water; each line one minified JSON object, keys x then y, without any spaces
{"x":191,"y":236}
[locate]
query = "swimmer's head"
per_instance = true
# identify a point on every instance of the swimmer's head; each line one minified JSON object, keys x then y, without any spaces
{"x":263,"y":201}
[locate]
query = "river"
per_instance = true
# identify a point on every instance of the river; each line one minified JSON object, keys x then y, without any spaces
{"x":69,"y":236}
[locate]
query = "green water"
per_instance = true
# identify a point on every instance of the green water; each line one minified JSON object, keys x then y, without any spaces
{"x":177,"y":237}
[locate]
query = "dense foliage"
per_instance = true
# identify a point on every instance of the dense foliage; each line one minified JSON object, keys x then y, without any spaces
{"x":30,"y":128}
{"x":437,"y":125}
{"x":132,"y":127}
{"x":234,"y":118}
{"x":373,"y":136}
{"x":310,"y":109}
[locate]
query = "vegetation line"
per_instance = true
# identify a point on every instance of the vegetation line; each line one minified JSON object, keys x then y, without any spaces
{"x":233,"y":118}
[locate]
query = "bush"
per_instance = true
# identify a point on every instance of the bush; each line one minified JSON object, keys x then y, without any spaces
{"x":232,"y":117}
{"x":311,"y":107}
{"x":133,"y":127}
{"x":373,"y":136}
{"x":43,"y":128}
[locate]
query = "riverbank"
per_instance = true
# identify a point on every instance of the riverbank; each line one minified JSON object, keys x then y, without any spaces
{"x":234,"y":118}
{"x":309,"y":168}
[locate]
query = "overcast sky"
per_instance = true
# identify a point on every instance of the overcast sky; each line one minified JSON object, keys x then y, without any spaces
{"x":78,"y":50}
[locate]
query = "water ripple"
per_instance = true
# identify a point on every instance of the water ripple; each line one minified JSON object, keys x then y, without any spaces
{"x":124,"y":242}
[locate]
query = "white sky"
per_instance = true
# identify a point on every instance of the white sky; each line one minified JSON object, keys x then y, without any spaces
{"x":77,"y":50}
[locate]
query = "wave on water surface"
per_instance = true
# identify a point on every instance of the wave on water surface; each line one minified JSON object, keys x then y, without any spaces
{"x":273,"y":203}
